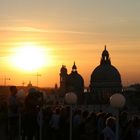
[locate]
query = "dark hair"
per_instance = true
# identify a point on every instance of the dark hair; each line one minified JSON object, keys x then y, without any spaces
{"x":110,"y":121}
{"x":12,"y":88}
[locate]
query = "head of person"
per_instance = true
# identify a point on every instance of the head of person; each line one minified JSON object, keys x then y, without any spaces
{"x":13,"y":90}
{"x":110,"y":121}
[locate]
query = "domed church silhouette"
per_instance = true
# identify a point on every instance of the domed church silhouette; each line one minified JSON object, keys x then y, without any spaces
{"x":105,"y":79}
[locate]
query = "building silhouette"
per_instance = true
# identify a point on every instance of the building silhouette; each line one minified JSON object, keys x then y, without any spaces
{"x":72,"y":82}
{"x":105,"y":80}
{"x":63,"y":78}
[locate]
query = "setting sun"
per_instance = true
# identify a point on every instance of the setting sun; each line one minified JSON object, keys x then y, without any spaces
{"x":30,"y":57}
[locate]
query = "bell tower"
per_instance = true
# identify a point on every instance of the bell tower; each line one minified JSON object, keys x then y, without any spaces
{"x":63,"y":78}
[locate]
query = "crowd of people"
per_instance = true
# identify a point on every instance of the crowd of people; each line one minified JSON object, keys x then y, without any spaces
{"x":28,"y":118}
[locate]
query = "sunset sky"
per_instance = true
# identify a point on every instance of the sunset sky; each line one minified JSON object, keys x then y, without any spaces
{"x":68,"y":31}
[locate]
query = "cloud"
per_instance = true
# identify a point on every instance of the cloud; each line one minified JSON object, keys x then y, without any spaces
{"x":38,"y":30}
{"x":20,"y":29}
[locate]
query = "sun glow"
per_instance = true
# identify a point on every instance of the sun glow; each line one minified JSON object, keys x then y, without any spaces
{"x":30,"y":57}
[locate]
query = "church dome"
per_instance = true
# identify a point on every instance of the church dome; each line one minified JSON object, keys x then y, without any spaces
{"x":75,"y":80}
{"x":105,"y":79}
{"x":105,"y":73}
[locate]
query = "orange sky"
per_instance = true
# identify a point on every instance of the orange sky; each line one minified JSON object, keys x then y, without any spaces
{"x":70,"y":31}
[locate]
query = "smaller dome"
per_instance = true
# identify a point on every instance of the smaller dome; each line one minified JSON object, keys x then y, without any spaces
{"x":75,"y":80}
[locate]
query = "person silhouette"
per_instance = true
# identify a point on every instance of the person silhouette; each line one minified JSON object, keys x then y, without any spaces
{"x":13,"y":113}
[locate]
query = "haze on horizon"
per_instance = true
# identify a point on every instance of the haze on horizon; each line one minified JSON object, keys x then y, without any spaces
{"x":70,"y":30}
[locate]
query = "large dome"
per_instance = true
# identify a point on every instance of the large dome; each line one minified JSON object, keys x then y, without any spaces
{"x":105,"y":79}
{"x":105,"y":73}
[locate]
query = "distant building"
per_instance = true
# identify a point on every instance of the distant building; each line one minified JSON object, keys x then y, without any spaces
{"x":63,"y":78}
{"x":29,"y":84}
{"x":72,"y":82}
{"x":105,"y":80}
{"x":132,"y":95}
